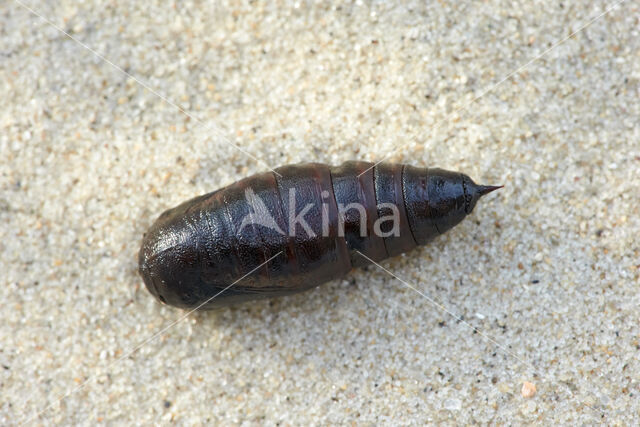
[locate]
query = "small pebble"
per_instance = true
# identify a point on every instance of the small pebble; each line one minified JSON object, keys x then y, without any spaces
{"x":528,"y":389}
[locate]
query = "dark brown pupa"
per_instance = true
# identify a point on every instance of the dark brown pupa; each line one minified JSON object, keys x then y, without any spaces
{"x":196,"y":250}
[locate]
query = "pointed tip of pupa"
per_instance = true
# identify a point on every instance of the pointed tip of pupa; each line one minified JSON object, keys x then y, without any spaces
{"x":486,"y":189}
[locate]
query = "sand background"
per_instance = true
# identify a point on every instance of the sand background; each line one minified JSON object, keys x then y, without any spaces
{"x":547,"y":269}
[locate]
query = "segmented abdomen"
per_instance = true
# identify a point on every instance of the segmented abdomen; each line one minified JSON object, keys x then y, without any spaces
{"x":319,"y":192}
